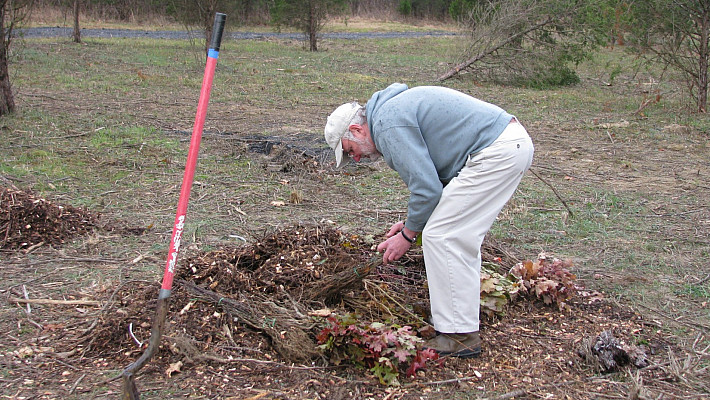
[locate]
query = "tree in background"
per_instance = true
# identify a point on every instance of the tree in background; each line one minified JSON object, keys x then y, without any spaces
{"x":530,"y":43}
{"x":76,"y":36}
{"x":459,"y":8}
{"x":12,"y":13}
{"x":423,"y":9}
{"x":675,"y":33}
{"x":251,"y":11}
{"x":200,"y":14}
{"x":308,"y":16}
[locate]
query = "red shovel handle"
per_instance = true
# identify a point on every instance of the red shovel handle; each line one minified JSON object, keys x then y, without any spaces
{"x":130,"y":391}
{"x":179,"y":225}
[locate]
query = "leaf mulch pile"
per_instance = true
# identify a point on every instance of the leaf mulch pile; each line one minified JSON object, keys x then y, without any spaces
{"x":243,"y":321}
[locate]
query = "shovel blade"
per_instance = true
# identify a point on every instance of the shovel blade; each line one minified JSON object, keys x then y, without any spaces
{"x":130,"y":390}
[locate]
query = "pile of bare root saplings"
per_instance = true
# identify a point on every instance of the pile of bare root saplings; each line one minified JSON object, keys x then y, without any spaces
{"x":312,"y":309}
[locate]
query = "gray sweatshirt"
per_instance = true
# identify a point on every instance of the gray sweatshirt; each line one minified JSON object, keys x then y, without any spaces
{"x":426,"y":134}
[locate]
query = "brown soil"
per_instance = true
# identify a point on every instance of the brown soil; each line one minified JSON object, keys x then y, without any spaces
{"x":239,"y":325}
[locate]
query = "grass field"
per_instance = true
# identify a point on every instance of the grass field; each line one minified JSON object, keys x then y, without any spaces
{"x":620,"y":189}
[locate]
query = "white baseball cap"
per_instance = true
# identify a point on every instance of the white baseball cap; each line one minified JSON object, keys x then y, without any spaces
{"x":336,"y":127}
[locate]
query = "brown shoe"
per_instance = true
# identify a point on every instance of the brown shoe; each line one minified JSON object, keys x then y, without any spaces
{"x":462,"y":345}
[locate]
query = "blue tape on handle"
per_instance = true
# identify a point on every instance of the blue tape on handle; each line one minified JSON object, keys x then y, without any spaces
{"x":213,"y":53}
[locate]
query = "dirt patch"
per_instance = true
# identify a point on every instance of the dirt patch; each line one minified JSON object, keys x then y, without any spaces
{"x":242,"y":325}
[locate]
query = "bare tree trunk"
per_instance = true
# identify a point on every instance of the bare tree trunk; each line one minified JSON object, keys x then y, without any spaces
{"x":704,"y":56}
{"x":208,"y":11}
{"x":208,"y":34}
{"x":7,"y":100}
{"x":77,"y":32}
{"x":312,"y":27}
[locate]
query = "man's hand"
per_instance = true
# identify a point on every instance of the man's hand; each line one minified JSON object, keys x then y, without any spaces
{"x":396,"y":227}
{"x":396,"y":245}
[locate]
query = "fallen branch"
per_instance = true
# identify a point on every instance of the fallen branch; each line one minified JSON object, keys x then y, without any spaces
{"x":524,"y":392}
{"x":564,"y":203}
{"x":509,"y":395}
{"x":74,"y":386}
{"x":493,"y":49}
{"x":331,"y":287}
{"x":186,"y":346}
{"x":692,"y":324}
{"x":444,"y":382}
{"x":57,"y":302}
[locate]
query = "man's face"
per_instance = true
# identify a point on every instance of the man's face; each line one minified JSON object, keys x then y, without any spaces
{"x":360,"y":147}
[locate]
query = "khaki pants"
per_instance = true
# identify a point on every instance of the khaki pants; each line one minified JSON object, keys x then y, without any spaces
{"x":454,"y":234}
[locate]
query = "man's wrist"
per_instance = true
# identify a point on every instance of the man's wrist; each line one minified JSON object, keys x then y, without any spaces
{"x":407,"y":238}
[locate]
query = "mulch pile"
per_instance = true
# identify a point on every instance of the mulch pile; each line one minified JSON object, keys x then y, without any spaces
{"x":28,"y":221}
{"x":254,"y":306}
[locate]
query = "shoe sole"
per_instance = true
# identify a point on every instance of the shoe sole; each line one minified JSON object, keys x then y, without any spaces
{"x":468,"y":353}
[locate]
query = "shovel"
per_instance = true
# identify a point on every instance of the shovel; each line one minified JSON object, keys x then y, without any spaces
{"x":130,"y":391}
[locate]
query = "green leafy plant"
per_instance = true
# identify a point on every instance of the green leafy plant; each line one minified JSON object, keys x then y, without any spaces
{"x":496,"y":290}
{"x":405,"y":7}
{"x":384,"y":350}
{"x":547,"y":279}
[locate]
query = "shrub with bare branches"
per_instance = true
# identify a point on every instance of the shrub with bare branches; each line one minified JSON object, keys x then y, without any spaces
{"x":529,"y":43}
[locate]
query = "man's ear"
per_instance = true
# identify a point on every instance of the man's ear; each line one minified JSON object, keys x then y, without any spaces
{"x":357,"y":130}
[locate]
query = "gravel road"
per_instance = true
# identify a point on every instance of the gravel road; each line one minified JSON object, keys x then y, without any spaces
{"x":128,"y":33}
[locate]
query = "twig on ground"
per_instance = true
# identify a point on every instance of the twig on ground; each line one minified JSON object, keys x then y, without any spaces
{"x":525,"y":392}
{"x":444,"y":382}
{"x":33,"y":247}
{"x":368,"y":283}
{"x":189,"y":350}
{"x":509,"y":395}
{"x":130,"y":332}
{"x":67,"y":136}
{"x":64,"y":363}
{"x":697,"y":340}
{"x":27,"y":298}
{"x":700,"y":282}
{"x":694,"y":325}
{"x":73,"y":388}
{"x":28,"y":310}
{"x":66,"y":259}
{"x":564,"y":203}
{"x":55,"y":302}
